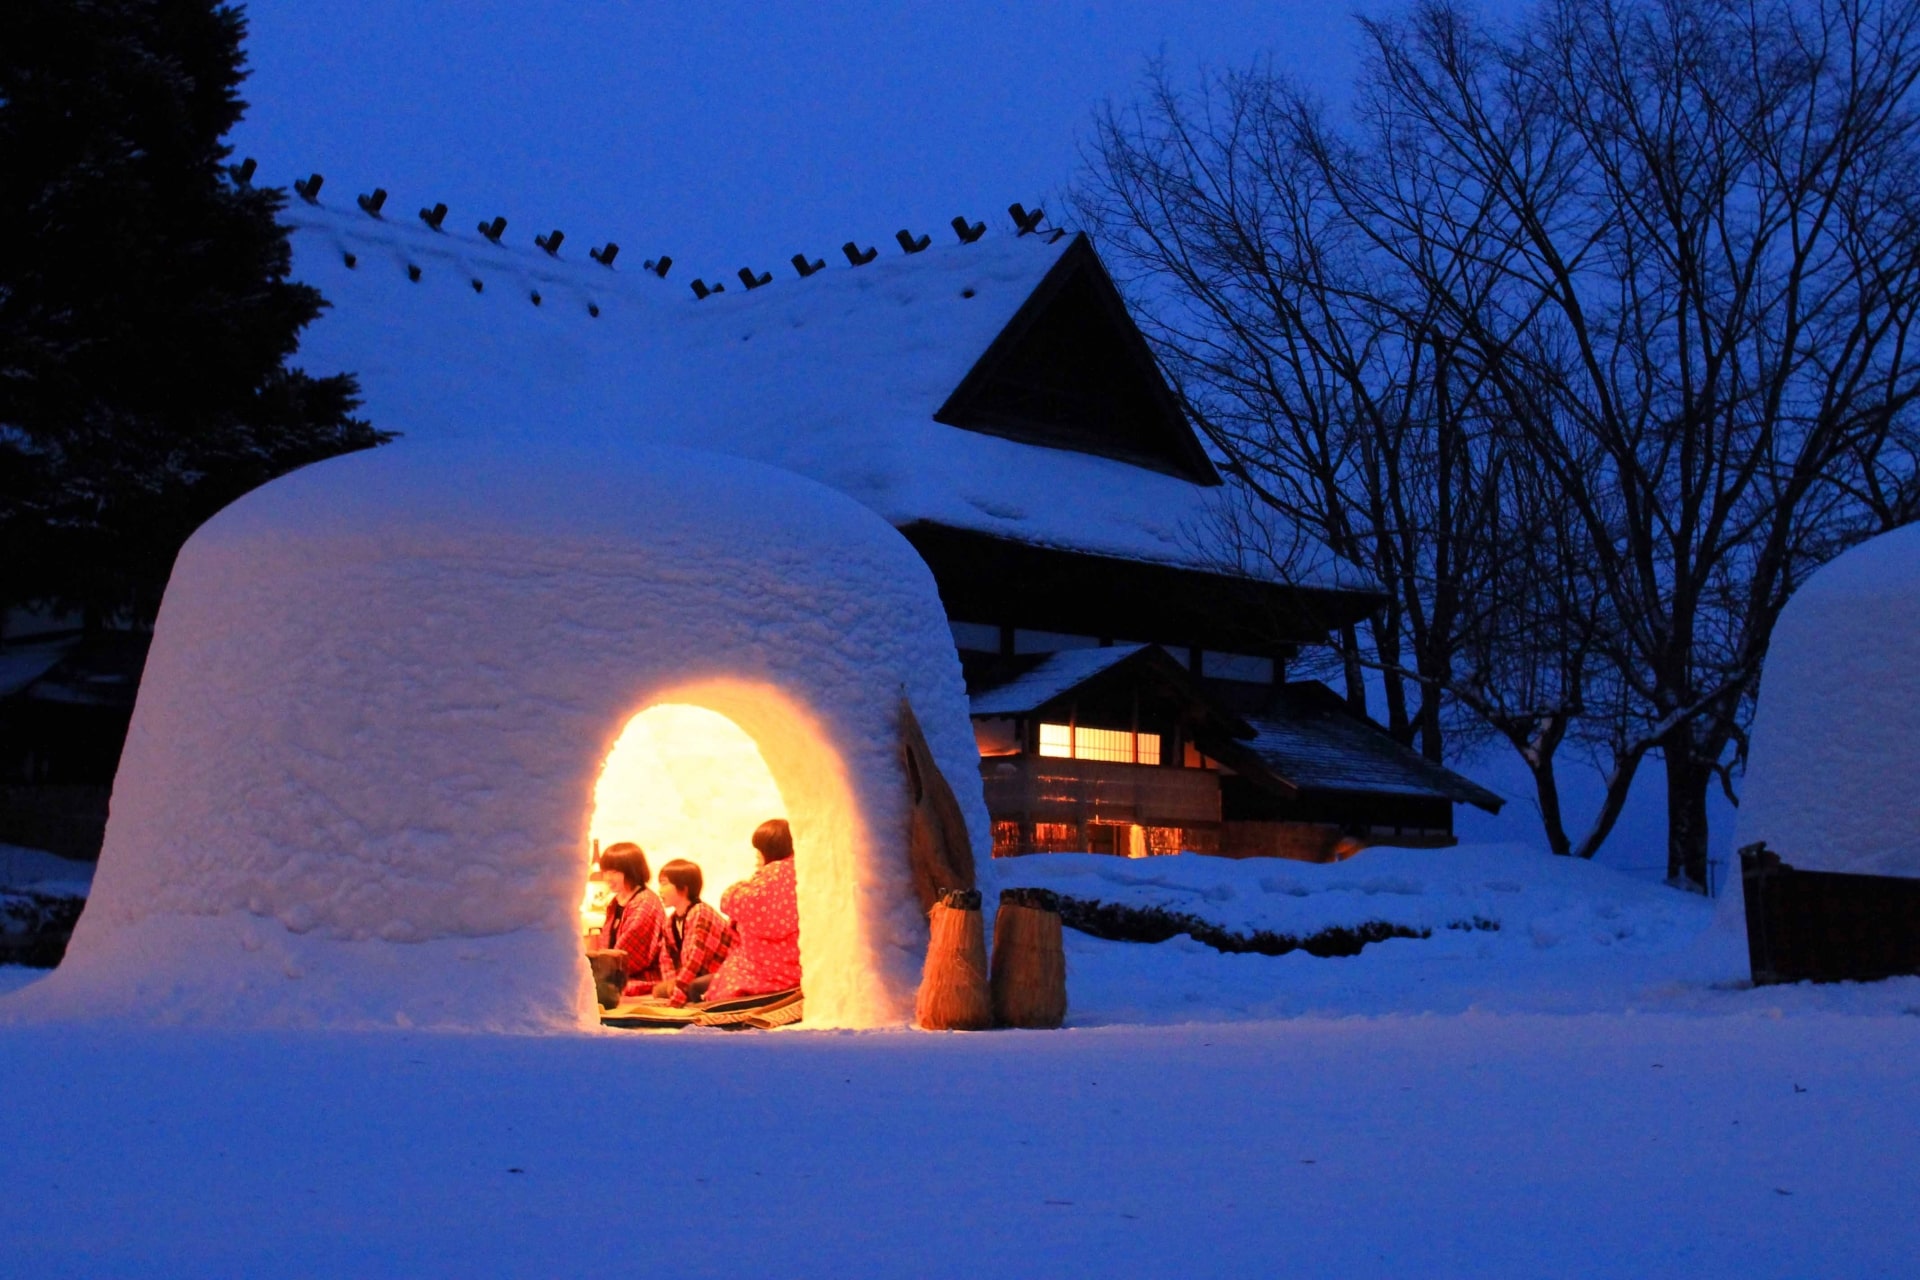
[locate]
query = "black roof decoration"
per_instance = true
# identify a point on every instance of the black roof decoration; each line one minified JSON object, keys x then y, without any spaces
{"x":1072,"y":371}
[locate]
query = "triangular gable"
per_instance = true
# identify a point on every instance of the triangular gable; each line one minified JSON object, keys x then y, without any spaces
{"x":1071,"y":371}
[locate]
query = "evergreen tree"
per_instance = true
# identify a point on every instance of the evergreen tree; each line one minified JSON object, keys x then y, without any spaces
{"x":145,"y":312}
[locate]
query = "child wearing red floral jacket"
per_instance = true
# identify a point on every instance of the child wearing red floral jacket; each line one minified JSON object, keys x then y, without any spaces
{"x":696,"y":940}
{"x":766,"y":921}
{"x":635,"y":918}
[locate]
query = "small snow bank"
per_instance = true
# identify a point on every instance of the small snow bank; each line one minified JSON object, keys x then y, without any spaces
{"x":1507,"y":930}
{"x":41,"y":896}
{"x":37,"y":871}
{"x":1531,"y":901}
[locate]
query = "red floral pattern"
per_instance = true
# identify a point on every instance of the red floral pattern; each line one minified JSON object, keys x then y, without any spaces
{"x":702,"y":947}
{"x":766,"y":920}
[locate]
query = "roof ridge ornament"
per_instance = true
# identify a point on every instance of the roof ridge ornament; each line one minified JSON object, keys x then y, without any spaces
{"x":659,"y":268}
{"x":435,"y":216}
{"x":968,"y":234}
{"x":856,"y":256}
{"x":752,"y":281}
{"x":909,"y":244}
{"x":1028,"y":223}
{"x":371,"y":205}
{"x":494,"y":230}
{"x":551,"y":243}
{"x":806,"y":268}
{"x":309,"y":189}
{"x":242,"y":173}
{"x":605,"y":254}
{"x":701,"y":289}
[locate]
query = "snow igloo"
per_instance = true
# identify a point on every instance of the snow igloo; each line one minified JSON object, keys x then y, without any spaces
{"x":394,"y":698}
{"x":1836,"y":733}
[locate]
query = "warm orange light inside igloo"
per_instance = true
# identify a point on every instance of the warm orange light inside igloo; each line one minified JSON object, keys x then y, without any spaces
{"x":682,"y":782}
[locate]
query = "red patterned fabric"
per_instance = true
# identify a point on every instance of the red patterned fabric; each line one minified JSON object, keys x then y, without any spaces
{"x":693,"y":948}
{"x":766,"y":918}
{"x":638,"y":934}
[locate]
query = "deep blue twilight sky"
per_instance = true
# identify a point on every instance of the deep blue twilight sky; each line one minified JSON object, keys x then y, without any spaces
{"x":723,"y":133}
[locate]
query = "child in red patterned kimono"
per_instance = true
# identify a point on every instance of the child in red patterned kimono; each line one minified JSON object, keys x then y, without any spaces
{"x":766,"y":922}
{"x":635,"y":918}
{"x":696,"y":940}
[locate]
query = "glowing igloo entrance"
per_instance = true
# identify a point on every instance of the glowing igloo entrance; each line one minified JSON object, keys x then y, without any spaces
{"x":682,"y":781}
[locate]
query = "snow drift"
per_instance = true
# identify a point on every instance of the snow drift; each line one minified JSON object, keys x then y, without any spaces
{"x":360,"y":774}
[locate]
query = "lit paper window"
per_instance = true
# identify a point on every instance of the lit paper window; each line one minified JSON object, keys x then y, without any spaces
{"x":1068,"y":742}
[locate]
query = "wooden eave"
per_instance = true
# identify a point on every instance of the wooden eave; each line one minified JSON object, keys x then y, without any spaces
{"x":987,"y":578}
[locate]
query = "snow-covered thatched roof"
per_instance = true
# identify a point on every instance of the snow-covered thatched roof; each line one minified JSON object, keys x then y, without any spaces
{"x":836,"y":376}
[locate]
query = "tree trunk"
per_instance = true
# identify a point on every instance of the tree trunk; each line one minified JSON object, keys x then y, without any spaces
{"x":1687,"y":782}
{"x":1355,"y":673}
{"x":1537,"y":750}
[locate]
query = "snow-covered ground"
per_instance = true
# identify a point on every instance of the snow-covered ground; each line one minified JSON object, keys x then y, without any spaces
{"x":1581,"y":1091}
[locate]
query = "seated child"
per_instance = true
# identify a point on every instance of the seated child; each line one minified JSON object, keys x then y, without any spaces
{"x":766,"y":922}
{"x":696,"y":939}
{"x":635,"y":918}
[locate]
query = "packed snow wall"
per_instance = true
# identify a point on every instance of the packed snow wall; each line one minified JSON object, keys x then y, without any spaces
{"x":1831,"y":776}
{"x":361,"y":770}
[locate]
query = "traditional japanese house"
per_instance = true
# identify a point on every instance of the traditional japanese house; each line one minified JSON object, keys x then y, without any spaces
{"x":993,"y":400}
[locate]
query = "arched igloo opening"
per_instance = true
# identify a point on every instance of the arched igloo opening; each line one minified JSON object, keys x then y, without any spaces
{"x":358,"y":785}
{"x":694,"y":773}
{"x":682,"y":782}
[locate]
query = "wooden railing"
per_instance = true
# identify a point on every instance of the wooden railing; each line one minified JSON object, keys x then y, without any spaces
{"x":1029,"y":788}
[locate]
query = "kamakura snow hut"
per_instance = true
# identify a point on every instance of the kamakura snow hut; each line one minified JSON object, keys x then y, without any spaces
{"x":383,"y":690}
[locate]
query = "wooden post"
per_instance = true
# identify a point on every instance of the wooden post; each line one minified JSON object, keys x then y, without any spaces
{"x":1029,"y":979}
{"x":953,"y":986}
{"x":939,"y":851}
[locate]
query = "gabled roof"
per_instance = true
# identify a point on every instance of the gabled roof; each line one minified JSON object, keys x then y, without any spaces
{"x":24,"y":662}
{"x":837,"y":376}
{"x":1071,"y":370}
{"x":99,"y":669}
{"x":1315,"y":742}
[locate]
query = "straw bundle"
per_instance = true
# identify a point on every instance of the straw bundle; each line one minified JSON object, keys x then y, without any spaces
{"x":953,"y":986}
{"x":1029,"y":980}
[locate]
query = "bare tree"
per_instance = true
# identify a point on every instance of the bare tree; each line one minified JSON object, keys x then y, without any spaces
{"x":1360,"y":427}
{"x":1652,"y":265}
{"x":1324,"y":380}
{"x":1712,"y":268}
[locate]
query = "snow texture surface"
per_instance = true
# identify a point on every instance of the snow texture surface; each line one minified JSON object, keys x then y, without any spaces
{"x":1549,"y":1099}
{"x":836,"y":377}
{"x":359,"y":778}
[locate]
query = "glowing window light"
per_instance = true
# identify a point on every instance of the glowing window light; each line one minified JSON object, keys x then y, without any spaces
{"x":1070,"y":742}
{"x":684,"y":782}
